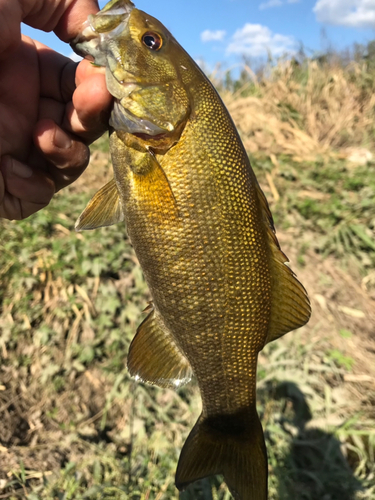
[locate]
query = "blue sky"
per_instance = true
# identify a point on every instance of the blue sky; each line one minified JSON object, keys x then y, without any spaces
{"x":223,"y":30}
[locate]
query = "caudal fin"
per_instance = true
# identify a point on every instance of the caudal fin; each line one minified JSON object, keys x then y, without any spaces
{"x":232,"y":445}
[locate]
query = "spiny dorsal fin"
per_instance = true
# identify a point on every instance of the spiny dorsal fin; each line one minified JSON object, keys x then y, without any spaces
{"x":154,"y":356}
{"x":104,"y":209}
{"x":290,"y":307}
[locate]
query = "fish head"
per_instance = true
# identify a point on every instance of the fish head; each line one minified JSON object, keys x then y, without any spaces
{"x":142,"y":60}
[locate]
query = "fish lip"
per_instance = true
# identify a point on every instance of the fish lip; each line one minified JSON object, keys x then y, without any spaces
{"x":122,"y":11}
{"x":93,"y":35}
{"x":126,"y":8}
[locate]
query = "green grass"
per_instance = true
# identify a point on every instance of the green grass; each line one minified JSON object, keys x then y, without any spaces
{"x":333,"y":200}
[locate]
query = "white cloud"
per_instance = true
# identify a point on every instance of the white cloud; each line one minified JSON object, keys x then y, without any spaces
{"x":270,"y":3}
{"x":212,"y":36}
{"x":257,"y":40}
{"x":352,"y":13}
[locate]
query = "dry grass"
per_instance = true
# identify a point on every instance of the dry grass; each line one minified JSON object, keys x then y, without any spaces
{"x":305,"y":110}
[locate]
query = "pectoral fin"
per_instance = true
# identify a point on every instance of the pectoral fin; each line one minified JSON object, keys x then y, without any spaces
{"x":154,"y":356}
{"x":104,"y":209}
{"x":151,"y":190}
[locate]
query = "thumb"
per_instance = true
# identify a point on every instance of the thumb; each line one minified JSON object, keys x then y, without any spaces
{"x":75,"y":15}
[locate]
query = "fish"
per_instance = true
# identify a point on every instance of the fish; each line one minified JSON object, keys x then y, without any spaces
{"x":204,"y":235}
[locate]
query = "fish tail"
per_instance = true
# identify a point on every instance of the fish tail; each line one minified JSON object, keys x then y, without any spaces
{"x":231,"y":445}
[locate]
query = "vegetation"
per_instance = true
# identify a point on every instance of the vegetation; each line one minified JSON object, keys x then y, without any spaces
{"x":75,"y":426}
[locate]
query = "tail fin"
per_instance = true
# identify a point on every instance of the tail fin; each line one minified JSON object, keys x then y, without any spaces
{"x":232,"y":445}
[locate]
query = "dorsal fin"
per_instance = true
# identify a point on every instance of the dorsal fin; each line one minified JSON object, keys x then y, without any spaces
{"x":104,"y":209}
{"x":290,"y":307}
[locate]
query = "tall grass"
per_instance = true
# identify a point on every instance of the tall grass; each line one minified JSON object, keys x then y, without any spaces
{"x":305,"y":109}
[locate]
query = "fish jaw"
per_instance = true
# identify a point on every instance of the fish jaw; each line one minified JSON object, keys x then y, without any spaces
{"x":98,"y":27}
{"x":98,"y":42}
{"x":122,"y":119}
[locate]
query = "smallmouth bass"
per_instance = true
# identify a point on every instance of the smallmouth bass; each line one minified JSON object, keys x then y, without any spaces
{"x":204,"y":236}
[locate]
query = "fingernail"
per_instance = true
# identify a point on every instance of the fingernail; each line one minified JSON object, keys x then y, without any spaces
{"x":17,"y":168}
{"x":61,"y":140}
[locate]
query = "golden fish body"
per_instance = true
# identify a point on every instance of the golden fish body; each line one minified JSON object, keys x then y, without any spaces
{"x":204,"y":237}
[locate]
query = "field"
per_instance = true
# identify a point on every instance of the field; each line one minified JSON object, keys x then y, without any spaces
{"x":73,"y":423}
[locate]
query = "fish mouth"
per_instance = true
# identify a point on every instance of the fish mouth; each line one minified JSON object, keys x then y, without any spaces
{"x":94,"y":41}
{"x":98,"y":42}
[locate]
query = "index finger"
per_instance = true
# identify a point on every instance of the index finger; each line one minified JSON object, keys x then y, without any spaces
{"x":57,"y":74}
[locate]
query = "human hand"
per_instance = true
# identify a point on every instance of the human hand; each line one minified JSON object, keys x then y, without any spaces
{"x":48,"y":111}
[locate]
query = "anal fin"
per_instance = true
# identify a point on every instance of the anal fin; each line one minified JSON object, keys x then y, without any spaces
{"x":154,"y":356}
{"x":104,"y":209}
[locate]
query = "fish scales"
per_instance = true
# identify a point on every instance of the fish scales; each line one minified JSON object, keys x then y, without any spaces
{"x":218,"y":259}
{"x":204,"y":236}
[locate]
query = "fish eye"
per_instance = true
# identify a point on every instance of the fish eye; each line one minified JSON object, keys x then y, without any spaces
{"x":153,"y":41}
